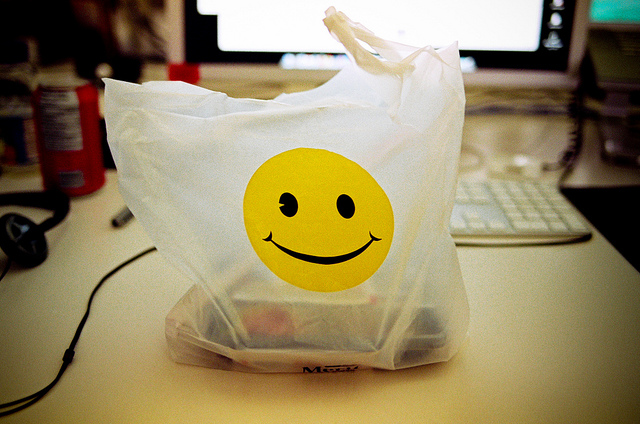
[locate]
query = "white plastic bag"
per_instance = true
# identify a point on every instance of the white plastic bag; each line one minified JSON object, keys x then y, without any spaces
{"x":314,"y":226}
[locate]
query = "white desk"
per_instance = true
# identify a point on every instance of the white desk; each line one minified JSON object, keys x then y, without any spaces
{"x":554,"y":337}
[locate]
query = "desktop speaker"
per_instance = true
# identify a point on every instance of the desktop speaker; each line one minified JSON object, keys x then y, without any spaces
{"x":22,"y":239}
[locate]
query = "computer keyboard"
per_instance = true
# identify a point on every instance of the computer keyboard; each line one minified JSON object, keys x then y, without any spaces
{"x":499,"y":212}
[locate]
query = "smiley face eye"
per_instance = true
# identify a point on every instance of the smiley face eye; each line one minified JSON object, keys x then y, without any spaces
{"x":345,"y":206}
{"x":288,"y":204}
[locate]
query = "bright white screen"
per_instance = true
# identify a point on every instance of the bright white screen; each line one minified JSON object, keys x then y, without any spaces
{"x":292,"y":26}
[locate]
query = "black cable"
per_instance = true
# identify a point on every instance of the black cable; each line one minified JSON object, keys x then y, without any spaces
{"x":569,"y":156}
{"x":6,"y":268}
{"x":577,"y":114}
{"x":27,"y":401}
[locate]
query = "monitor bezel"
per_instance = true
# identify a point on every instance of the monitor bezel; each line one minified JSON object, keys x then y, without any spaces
{"x":205,"y":27}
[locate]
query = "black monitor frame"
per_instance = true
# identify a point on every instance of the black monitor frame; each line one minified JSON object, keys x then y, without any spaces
{"x":205,"y":27}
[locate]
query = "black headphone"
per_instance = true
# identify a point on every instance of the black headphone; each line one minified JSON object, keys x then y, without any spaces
{"x":22,"y":239}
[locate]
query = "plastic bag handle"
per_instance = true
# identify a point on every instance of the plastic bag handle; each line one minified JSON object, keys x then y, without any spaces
{"x":348,"y":33}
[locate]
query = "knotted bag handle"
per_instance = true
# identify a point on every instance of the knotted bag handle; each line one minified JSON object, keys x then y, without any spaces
{"x":348,"y":33}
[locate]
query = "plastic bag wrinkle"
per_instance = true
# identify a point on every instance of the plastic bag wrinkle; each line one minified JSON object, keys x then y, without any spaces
{"x":185,"y":156}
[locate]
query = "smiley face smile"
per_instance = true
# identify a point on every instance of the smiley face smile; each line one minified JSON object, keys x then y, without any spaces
{"x":322,"y":260}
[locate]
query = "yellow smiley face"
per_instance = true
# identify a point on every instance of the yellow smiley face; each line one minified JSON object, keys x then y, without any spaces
{"x":317,"y":220}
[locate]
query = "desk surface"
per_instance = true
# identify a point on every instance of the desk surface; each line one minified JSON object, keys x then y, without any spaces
{"x":554,"y":337}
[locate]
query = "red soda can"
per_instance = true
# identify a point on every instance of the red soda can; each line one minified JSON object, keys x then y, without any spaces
{"x":67,"y":121}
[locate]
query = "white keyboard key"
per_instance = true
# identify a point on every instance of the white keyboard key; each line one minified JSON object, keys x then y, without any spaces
{"x":496,"y":225}
{"x":558,"y":226}
{"x":551,"y":216}
{"x":575,"y":224}
{"x":458,"y":225}
{"x":538,"y":225}
{"x":533,"y":215}
{"x":477,"y":225}
{"x":471,"y":215}
{"x":521,"y":225}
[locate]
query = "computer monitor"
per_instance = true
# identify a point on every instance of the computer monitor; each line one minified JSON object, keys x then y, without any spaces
{"x":614,"y":77}
{"x":614,"y":44}
{"x":524,"y":43}
{"x":615,"y":14}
